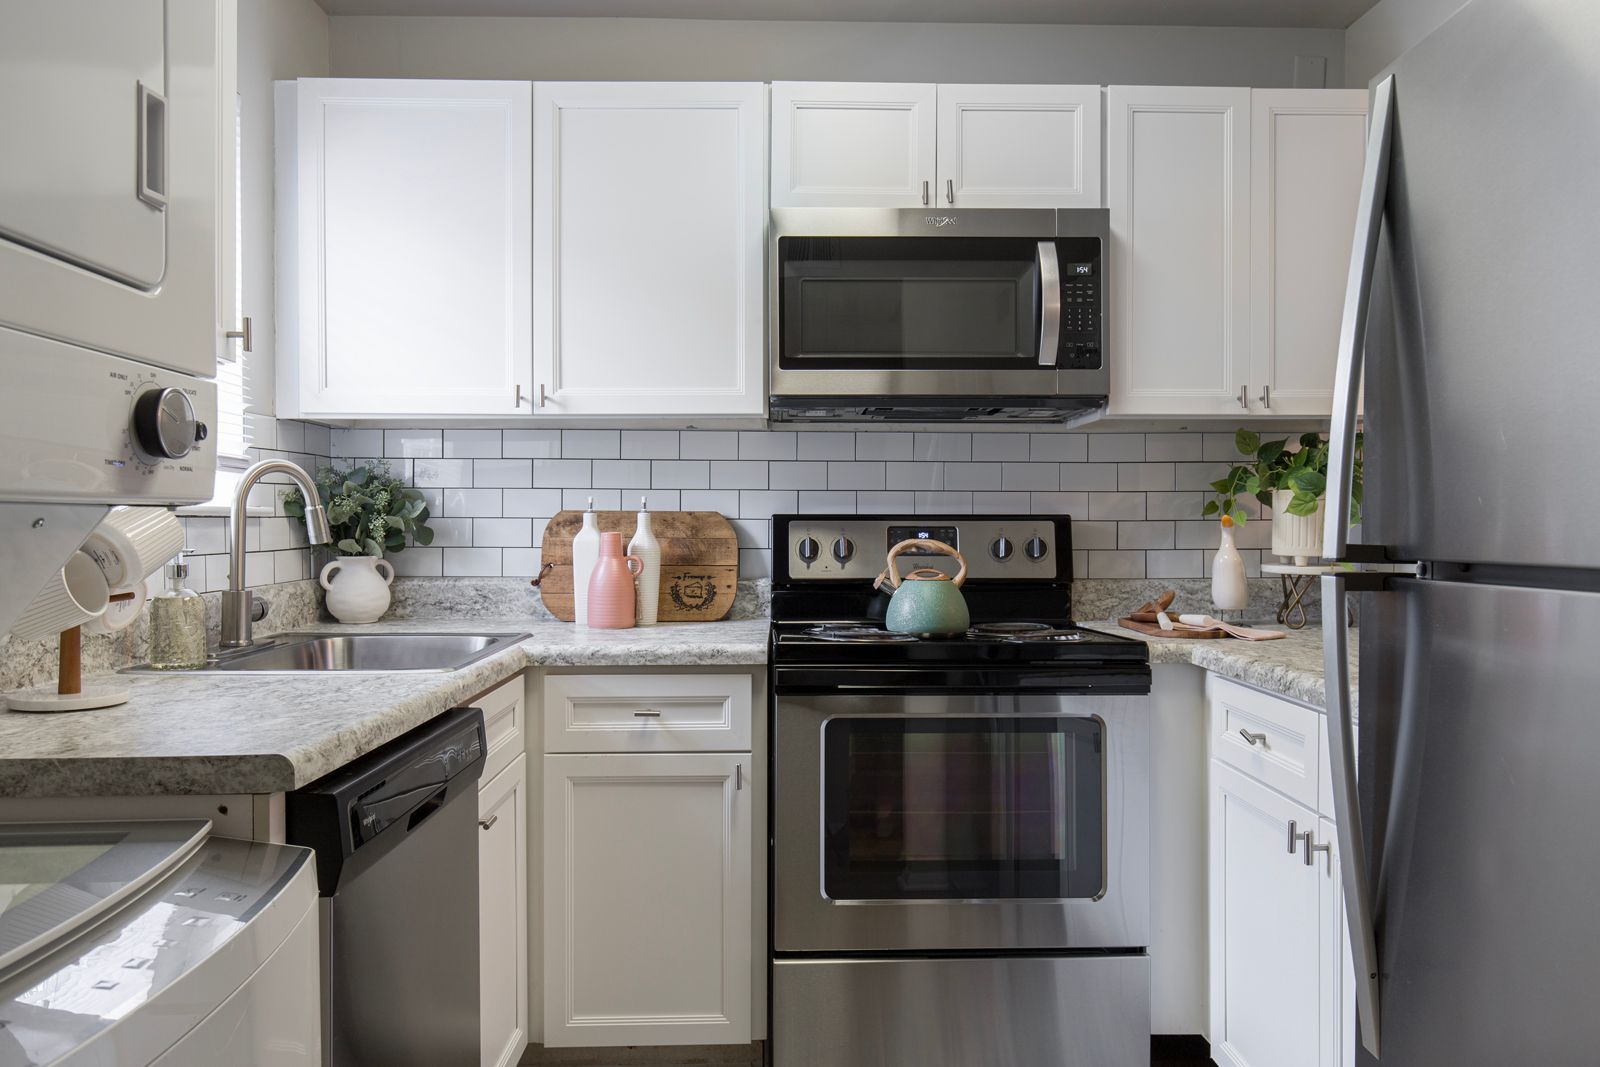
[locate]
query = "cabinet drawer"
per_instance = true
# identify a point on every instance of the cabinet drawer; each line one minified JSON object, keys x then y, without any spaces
{"x":647,"y":713}
{"x":1286,"y":758}
{"x":504,"y":724}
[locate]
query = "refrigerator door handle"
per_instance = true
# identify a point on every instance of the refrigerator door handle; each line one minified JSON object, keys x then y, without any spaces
{"x":1347,"y":810}
{"x":1353,"y":325}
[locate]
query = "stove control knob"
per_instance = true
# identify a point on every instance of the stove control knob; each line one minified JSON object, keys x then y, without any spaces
{"x":844,"y":549}
{"x":1035,"y":549}
{"x":1001,"y":548}
{"x":164,"y":424}
{"x":808,"y":550}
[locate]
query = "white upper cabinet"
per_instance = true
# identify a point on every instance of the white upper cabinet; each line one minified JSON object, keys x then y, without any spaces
{"x":1306,"y":152}
{"x":1178,"y":186}
{"x":1019,"y":146}
{"x":405,"y":250}
{"x":110,"y":183}
{"x":853,"y":144}
{"x":650,"y":224}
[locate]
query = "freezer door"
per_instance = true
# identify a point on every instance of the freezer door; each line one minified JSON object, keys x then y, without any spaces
{"x":1479,"y":743}
{"x":1481,"y":359}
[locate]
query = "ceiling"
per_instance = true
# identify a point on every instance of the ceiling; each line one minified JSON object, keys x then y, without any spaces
{"x":1326,"y":14}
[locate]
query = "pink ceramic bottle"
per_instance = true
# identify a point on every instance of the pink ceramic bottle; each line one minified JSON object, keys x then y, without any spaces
{"x":611,"y":591}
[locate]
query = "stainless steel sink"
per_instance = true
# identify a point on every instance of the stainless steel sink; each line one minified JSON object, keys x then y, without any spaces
{"x":296,"y":653}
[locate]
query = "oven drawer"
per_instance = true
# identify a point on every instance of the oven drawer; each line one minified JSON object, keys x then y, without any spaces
{"x":1082,"y":1011}
{"x":647,"y":712}
{"x":1283,"y":745}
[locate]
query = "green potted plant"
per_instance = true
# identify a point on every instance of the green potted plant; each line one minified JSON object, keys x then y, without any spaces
{"x":1292,"y":482}
{"x":371,"y":512}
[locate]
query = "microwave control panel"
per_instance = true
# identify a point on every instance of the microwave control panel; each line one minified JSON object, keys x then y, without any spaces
{"x":1081,"y":303}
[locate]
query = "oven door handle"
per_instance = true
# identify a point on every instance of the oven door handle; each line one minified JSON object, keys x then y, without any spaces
{"x":1049,"y":304}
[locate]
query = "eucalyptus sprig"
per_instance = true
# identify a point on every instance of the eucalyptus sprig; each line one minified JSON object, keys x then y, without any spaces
{"x":369,"y":509}
{"x":1272,"y":465}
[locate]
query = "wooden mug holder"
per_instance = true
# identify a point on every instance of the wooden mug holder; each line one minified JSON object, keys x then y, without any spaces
{"x":69,"y":694}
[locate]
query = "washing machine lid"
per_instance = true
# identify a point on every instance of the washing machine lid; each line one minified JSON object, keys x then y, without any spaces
{"x":57,"y":878}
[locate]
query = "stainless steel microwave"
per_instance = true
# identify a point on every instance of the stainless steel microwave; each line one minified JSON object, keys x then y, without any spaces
{"x":922,"y":315}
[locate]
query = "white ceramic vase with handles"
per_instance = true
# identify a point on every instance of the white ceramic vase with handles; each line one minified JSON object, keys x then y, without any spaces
{"x":358,"y":587}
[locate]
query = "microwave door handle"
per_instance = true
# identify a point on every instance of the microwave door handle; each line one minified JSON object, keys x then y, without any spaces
{"x":1049,"y":303}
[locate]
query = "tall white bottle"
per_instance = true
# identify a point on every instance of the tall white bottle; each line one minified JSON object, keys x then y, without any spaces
{"x":585,"y":554}
{"x":648,"y":549}
{"x":1229,"y":590}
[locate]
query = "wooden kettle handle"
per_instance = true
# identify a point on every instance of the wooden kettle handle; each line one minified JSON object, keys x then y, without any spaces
{"x":931,"y":546}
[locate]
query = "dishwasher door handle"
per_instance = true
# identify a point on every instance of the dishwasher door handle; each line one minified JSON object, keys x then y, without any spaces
{"x":426,"y":808}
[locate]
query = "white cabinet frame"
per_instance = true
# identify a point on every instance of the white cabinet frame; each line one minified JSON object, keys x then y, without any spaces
{"x":1069,"y":113}
{"x":904,"y":168}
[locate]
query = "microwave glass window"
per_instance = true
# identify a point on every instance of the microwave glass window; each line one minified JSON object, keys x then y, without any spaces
{"x":935,"y":317}
{"x":980,"y":808}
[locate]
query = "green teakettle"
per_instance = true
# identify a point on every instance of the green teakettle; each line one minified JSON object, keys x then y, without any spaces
{"x":926,"y":601}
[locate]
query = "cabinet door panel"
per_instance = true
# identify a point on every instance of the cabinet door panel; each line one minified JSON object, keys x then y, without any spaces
{"x":1177,"y":185}
{"x":1019,"y":146}
{"x":503,"y":915}
{"x":647,"y":899}
{"x":651,"y":222}
{"x":843,"y":144}
{"x":1307,"y":147}
{"x":1266,"y":928}
{"x":414,"y":256}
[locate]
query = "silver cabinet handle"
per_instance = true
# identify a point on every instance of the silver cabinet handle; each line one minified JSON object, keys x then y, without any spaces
{"x":1294,"y":836}
{"x":647,"y":713}
{"x":1347,"y":809}
{"x":949,"y":191}
{"x":1253,"y":738}
{"x":490,"y":821}
{"x":1244,"y":397}
{"x":738,"y":776}
{"x":518,"y":401}
{"x":1266,"y":396}
{"x":151,"y":181}
{"x":1049,"y":303}
{"x":1310,"y":848}
{"x":1352,"y":349}
{"x":541,"y":394}
{"x":924,"y":194}
{"x":244,"y":335}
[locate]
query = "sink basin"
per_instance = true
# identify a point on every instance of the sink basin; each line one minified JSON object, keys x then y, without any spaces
{"x":299,"y":653}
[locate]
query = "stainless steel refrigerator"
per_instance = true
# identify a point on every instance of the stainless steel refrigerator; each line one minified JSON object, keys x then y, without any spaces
{"x":1469,"y":826}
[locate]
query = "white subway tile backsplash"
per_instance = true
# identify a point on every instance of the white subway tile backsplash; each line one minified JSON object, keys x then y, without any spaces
{"x":914,"y":476}
{"x":503,"y":473}
{"x":883,"y":444}
{"x":1145,"y":477}
{"x":472,"y":444}
{"x":765,"y":503}
{"x":560,"y":473}
{"x":1165,"y":447}
{"x":1115,"y":564}
{"x":346,"y":442}
{"x":1058,"y":447}
{"x":412,"y":444}
{"x":654,"y":499}
{"x":1189,"y":476}
{"x":797,"y":474}
{"x":680,"y":473}
{"x":956,"y":503}
{"x":530,"y":444}
{"x":1040,"y":476}
{"x":649,"y":444}
{"x":1074,"y":504}
{"x":885,"y":501}
{"x":766,"y":444}
{"x":1000,"y":503}
{"x":1116,"y":447}
{"x":418,"y":561}
{"x":289,"y":435}
{"x":942,"y":447}
{"x":1119,"y":506}
{"x":1174,"y":563}
{"x":443,"y":473}
{"x":1088,"y":534}
{"x":707,"y":444}
{"x":451,"y":532}
{"x":1089,"y":477}
{"x":856,"y":474}
{"x":996,"y":447}
{"x":812,"y":444}
{"x":841,"y":502}
{"x":620,"y":473}
{"x":519,"y":562}
{"x":318,"y":439}
{"x":1186,"y":505}
{"x":599,"y":499}
{"x":205,"y":536}
{"x":1145,"y":535}
{"x":742,"y":474}
{"x":471,"y":503}
{"x":502,"y":533}
{"x":471,"y":562}
{"x":752,"y":533}
{"x":755,"y":563}
{"x":290,"y":566}
{"x":725,"y":501}
{"x":1220,"y":446}
{"x":530,"y":503}
{"x":981,"y":476}
{"x":591,"y":444}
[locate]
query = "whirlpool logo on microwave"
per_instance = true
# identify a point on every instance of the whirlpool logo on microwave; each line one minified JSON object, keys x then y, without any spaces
{"x":939,"y":222}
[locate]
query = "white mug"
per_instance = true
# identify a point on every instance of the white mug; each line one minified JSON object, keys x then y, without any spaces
{"x":74,"y":595}
{"x":132,"y":543}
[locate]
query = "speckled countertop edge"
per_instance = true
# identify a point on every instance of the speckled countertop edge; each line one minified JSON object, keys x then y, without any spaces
{"x":232,"y":734}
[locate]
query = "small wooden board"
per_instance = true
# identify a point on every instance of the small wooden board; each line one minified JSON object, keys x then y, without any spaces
{"x":1154,"y":630}
{"x":699,"y":561}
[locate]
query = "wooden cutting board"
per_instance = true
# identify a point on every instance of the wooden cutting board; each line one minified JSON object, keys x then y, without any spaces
{"x":699,"y":561}
{"x":1155,"y":630}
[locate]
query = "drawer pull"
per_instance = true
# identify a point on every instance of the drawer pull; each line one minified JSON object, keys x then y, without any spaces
{"x":738,"y":777}
{"x":1253,"y":739}
{"x":1294,"y":836}
{"x":1310,"y":848}
{"x":647,"y":713}
{"x":490,"y":821}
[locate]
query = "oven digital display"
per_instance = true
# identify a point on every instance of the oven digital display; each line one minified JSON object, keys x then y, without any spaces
{"x":944,"y":534}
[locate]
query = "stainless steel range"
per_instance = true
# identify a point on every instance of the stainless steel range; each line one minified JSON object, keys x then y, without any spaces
{"x":960,"y":851}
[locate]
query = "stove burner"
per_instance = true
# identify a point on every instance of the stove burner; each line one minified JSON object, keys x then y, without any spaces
{"x":1025,"y":632}
{"x":857,"y":635}
{"x":1006,"y":629}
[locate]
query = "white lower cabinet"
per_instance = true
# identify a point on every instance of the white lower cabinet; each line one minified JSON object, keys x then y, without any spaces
{"x":647,"y":898}
{"x":503,"y":915}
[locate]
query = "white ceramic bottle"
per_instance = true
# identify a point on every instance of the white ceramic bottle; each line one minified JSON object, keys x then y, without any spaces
{"x":1229,"y":590}
{"x":585,"y":554}
{"x":648,"y":549}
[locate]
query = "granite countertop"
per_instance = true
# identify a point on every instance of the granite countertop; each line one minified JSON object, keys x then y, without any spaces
{"x":1290,"y":667}
{"x":232,"y":733}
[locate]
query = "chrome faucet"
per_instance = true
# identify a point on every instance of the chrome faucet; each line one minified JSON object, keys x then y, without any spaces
{"x":240,"y":609}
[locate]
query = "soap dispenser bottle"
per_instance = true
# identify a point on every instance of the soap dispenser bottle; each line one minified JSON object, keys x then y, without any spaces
{"x":585,"y":554}
{"x":645,"y":546}
{"x":177,"y":623}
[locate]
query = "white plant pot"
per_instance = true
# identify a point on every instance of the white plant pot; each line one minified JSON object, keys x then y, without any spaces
{"x":1296,"y":537}
{"x":358,"y":587}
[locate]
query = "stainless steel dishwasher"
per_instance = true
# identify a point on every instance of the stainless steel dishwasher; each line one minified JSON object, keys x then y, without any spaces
{"x":396,"y":837}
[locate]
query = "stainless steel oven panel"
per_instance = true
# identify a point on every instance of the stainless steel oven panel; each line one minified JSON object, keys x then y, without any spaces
{"x":1078,"y":1011}
{"x":804,"y":920}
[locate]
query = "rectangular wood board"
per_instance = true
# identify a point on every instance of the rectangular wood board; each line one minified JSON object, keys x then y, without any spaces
{"x":699,"y":561}
{"x":1155,"y":630}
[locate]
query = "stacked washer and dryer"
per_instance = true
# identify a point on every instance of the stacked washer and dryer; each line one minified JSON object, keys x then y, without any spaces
{"x":126,"y":943}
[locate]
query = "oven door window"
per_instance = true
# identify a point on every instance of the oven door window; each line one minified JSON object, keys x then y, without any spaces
{"x":963,"y":808}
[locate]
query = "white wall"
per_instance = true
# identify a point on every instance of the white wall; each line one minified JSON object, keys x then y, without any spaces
{"x":663,"y":49}
{"x":1380,"y":36}
{"x":278,"y":39}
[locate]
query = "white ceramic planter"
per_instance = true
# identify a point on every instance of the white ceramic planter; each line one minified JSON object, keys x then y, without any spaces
{"x":1296,"y":537}
{"x":358,"y":587}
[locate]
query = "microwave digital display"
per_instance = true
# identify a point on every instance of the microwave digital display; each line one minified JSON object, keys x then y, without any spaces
{"x":1082,"y":270}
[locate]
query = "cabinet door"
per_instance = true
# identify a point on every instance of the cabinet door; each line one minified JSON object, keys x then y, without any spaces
{"x":411,"y":270}
{"x":503,"y":915}
{"x":647,"y":887}
{"x":650,"y":214}
{"x":1178,"y":187}
{"x":1307,"y":147}
{"x":1338,"y":976}
{"x":853,"y":144}
{"x":1267,"y":915}
{"x":1019,"y":146}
